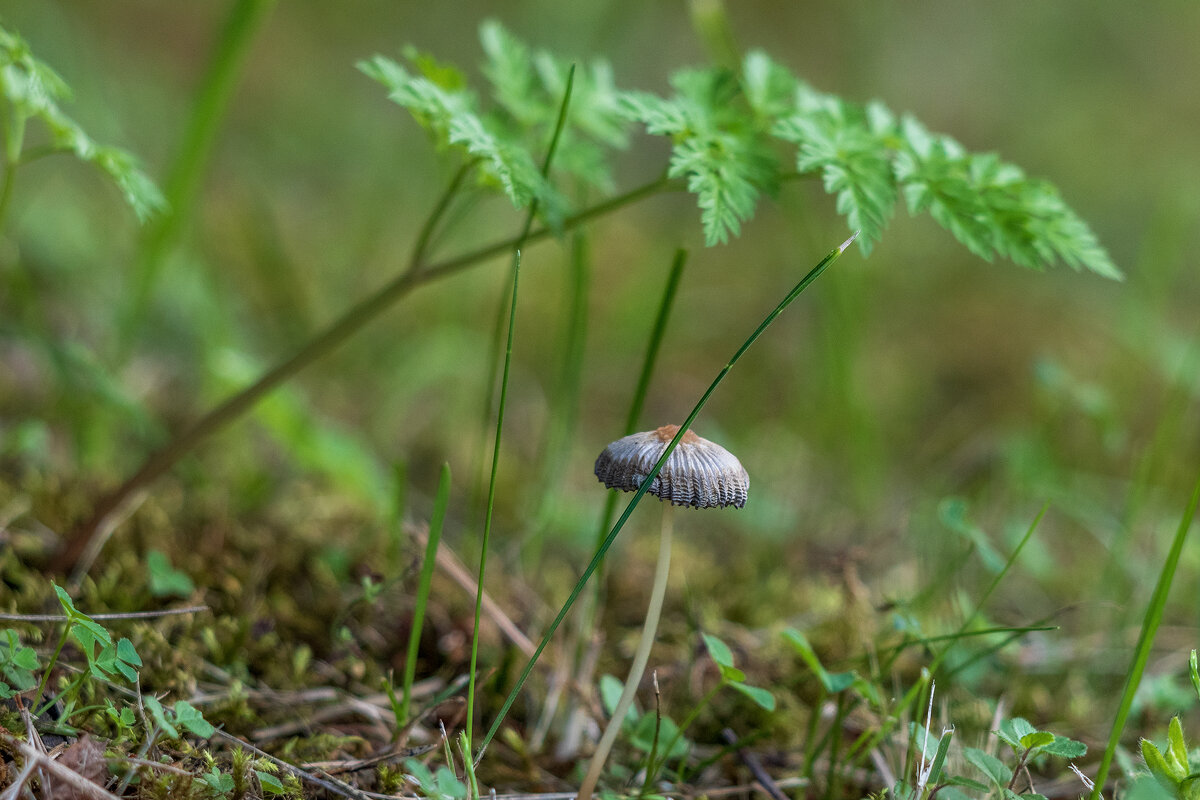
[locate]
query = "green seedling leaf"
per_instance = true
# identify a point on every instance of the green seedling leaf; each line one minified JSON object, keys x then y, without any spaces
{"x":939,"y":759}
{"x":719,"y":651}
{"x":17,"y":665}
{"x":159,"y":715}
{"x":221,"y":783}
{"x":841,"y":681}
{"x":1065,"y":748}
{"x":951,"y":792}
{"x":833,"y":682}
{"x":270,"y":784}
{"x":1019,"y":727}
{"x":610,"y":695}
{"x":1194,"y":670}
{"x":33,"y":90}
{"x":1032,"y":741}
{"x":958,"y":780}
{"x":1009,"y":794}
{"x":190,"y":718}
{"x":762,"y":698}
{"x":448,"y":785}
{"x":643,"y":737}
{"x":65,"y":601}
{"x":124,"y":717}
{"x":1146,"y":787}
{"x":1176,"y":755}
{"x":989,"y":765}
{"x":165,"y":580}
{"x":800,"y":642}
{"x":732,"y":674}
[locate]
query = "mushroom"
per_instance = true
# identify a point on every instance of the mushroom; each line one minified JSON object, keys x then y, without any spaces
{"x":697,"y":473}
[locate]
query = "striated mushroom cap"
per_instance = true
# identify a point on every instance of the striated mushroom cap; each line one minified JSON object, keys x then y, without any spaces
{"x":698,"y":473}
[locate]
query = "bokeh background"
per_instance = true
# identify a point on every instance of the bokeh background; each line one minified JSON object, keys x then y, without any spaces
{"x":903,"y":423}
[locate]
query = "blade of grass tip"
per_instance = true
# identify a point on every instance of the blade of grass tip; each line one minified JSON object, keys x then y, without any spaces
{"x":1141,"y":653}
{"x":440,"y":504}
{"x":518,"y":244}
{"x":491,"y":498}
{"x":796,"y":291}
{"x":1012,"y":559}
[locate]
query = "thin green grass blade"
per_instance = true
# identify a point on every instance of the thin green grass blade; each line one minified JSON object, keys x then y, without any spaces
{"x":487,"y":525}
{"x":1141,"y":653}
{"x":804,"y":283}
{"x":519,"y":243}
{"x":1012,"y":559}
{"x":440,"y":504}
{"x":491,"y":497}
{"x":208,"y":112}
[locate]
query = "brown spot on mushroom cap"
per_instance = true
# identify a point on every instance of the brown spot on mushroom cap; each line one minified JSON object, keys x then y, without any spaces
{"x":698,"y":472}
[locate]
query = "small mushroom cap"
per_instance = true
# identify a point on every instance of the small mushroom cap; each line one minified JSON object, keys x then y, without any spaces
{"x":698,"y":473}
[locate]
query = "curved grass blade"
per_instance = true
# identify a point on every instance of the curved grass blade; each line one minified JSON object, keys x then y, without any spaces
{"x":1141,"y":653}
{"x":804,"y":283}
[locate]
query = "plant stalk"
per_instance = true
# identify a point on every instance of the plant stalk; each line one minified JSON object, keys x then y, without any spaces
{"x":640,"y":657}
{"x":163,"y":459}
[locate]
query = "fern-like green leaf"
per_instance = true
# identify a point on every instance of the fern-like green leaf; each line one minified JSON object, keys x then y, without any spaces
{"x":529,"y":85}
{"x":717,"y":147}
{"x":992,"y":207}
{"x":32,"y":90}
{"x":449,"y":113}
{"x":848,"y":145}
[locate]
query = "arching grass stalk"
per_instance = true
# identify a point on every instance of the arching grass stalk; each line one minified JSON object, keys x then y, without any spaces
{"x":491,"y":499}
{"x":491,"y":496}
{"x":640,"y":657}
{"x":1141,"y":653}
{"x":796,"y":291}
{"x":440,"y":504}
{"x":520,"y":242}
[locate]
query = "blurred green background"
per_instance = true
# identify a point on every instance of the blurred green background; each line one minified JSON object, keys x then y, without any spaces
{"x":912,"y":403}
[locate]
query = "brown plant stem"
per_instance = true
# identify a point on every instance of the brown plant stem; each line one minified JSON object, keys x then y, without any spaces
{"x":163,"y":459}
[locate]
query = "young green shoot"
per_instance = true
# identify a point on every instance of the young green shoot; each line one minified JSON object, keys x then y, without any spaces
{"x":491,"y":498}
{"x":440,"y":504}
{"x":1141,"y":653}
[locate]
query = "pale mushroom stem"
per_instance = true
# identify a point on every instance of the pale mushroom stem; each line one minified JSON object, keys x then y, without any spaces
{"x":642,"y":655}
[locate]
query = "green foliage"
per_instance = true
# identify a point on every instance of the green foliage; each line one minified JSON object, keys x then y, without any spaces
{"x":440,"y":785}
{"x":106,"y":659}
{"x":32,"y":90}
{"x":1172,"y":768}
{"x":529,"y":86}
{"x":165,"y":580}
{"x":999,"y":777}
{"x":718,"y":144}
{"x":17,"y":664}
{"x":726,"y":129}
{"x":732,"y":676}
{"x":831,"y":682}
{"x":451,"y":114}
